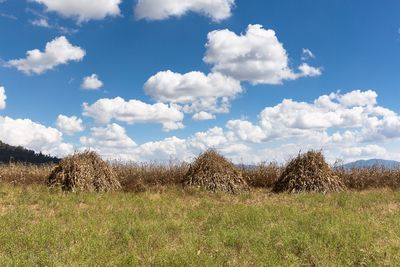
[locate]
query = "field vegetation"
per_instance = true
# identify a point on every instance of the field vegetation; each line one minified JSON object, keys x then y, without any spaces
{"x":155,"y":219}
{"x":171,"y":226}
{"x":139,"y":177}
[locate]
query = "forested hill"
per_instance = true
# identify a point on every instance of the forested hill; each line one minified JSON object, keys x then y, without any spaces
{"x":21,"y":155}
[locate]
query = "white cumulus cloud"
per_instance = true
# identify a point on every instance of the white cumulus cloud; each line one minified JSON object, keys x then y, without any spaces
{"x":135,"y":111}
{"x":196,"y":91}
{"x":92,"y":82}
{"x":309,"y":71}
{"x":256,"y":56}
{"x":111,"y":136}
{"x":112,"y":142}
{"x":355,"y":116}
{"x":32,"y":135}
{"x":69,"y":125}
{"x":57,"y":52}
{"x":188,"y":148}
{"x":83,"y":10}
{"x":367,"y":151}
{"x":3,"y":98}
{"x":359,"y":98}
{"x":217,"y":10}
{"x":171,"y":148}
{"x":246,"y":131}
{"x":346,"y":126}
{"x":203,"y":116}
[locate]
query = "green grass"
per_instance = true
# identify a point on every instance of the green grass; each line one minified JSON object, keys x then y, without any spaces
{"x":191,"y":228}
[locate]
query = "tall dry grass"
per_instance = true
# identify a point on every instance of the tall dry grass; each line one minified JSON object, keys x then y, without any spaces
{"x":24,"y":174}
{"x":369,"y":178}
{"x":263,"y":175}
{"x":136,"y":177}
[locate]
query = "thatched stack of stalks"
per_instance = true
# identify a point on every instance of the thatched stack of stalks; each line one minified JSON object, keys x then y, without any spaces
{"x":84,"y":172}
{"x":308,"y":172}
{"x":214,"y":173}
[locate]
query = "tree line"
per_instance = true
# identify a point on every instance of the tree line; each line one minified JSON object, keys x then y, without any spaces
{"x":18,"y":154}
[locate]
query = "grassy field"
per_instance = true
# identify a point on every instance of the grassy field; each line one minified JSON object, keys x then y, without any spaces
{"x":175,"y":227}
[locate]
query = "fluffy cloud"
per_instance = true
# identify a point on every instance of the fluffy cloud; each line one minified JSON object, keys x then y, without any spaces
{"x":69,"y":125}
{"x":171,"y":148}
{"x":308,"y":71}
{"x":186,"y":149}
{"x":365,"y":151}
{"x":256,"y":56}
{"x":111,"y":136}
{"x":3,"y":98}
{"x":57,"y":52}
{"x":162,"y":9}
{"x":354,"y":116}
{"x":111,"y":142}
{"x":35,"y":136}
{"x":195,"y":90}
{"x":214,"y":137}
{"x":347,"y":126}
{"x":92,"y":82}
{"x":358,"y":98}
{"x":203,"y":116}
{"x":246,"y":131}
{"x":83,"y":10}
{"x":135,"y":111}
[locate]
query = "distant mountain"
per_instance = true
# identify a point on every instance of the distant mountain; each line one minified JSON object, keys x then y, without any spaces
{"x":17,"y":154}
{"x":388,"y":164}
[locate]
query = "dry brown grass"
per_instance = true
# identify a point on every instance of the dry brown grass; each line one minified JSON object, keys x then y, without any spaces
{"x":84,"y":172}
{"x":369,"y":178}
{"x":308,"y":172}
{"x":141,"y":177}
{"x":213,"y":172}
{"x":24,"y":174}
{"x":264,"y":175}
{"x":135,"y":177}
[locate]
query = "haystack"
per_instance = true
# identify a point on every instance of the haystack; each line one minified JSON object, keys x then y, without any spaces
{"x":213,"y":172}
{"x":84,"y":172}
{"x":308,"y":172}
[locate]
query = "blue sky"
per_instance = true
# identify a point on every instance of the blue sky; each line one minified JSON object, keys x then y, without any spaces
{"x":248,"y":56}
